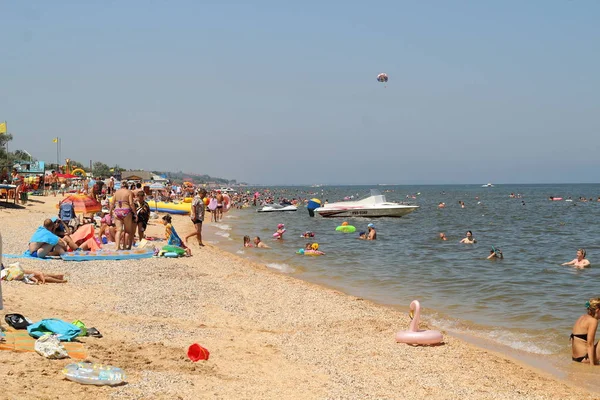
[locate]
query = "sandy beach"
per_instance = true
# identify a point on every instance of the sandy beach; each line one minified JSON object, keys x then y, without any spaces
{"x":270,"y":336}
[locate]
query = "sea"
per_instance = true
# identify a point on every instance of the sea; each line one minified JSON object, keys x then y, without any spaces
{"x":527,"y":301}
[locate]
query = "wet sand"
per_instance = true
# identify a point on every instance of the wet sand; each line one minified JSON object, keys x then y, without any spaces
{"x":270,"y":336}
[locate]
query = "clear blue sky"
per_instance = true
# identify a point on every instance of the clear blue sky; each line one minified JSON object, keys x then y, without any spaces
{"x":285,"y":92}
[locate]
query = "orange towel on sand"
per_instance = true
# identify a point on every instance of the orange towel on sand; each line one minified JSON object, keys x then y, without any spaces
{"x":20,"y":341}
{"x":85,"y":235}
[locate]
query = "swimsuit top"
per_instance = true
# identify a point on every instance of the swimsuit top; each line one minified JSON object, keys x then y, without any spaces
{"x":582,"y":336}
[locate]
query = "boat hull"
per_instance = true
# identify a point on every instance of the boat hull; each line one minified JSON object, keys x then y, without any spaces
{"x":395,"y":212}
{"x":282,"y":209}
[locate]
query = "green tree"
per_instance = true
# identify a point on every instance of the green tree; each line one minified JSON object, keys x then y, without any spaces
{"x":101,"y":169}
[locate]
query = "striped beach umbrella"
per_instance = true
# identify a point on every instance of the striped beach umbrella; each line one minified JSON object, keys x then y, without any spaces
{"x":83,"y":203}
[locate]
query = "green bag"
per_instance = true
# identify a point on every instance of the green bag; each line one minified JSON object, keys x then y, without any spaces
{"x":81,"y":326}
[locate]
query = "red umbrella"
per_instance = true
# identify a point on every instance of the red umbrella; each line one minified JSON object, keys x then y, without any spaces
{"x":83,"y":203}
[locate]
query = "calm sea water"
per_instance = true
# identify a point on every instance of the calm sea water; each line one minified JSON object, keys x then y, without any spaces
{"x":526,"y":301}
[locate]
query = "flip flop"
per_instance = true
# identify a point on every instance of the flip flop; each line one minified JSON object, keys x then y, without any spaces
{"x":17,"y":321}
{"x":93,"y":332}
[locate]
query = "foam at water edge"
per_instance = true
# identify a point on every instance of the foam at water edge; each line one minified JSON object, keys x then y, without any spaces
{"x":240,"y":252}
{"x":519,"y":341}
{"x":221,"y":233}
{"x":285,"y":268}
{"x":224,"y":227}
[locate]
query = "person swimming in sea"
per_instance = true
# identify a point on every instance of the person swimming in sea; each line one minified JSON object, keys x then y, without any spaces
{"x":443,"y":236}
{"x":469,"y":239}
{"x":580,"y":261}
{"x":495,"y":253}
{"x":583,"y":334}
{"x":247,"y":242}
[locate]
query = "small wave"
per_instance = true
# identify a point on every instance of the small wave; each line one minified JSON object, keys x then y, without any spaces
{"x":285,"y":268}
{"x":223,"y":234}
{"x":240,"y":252}
{"x":223,"y":227}
{"x":519,"y":341}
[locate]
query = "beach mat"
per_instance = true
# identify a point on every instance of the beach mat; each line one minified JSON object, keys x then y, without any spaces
{"x":27,"y":255}
{"x":20,"y":341}
{"x":108,"y":255}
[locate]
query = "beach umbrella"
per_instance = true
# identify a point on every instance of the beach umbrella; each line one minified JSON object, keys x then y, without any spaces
{"x":83,"y":203}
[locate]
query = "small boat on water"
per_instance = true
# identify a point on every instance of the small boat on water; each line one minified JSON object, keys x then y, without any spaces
{"x":375,"y":205}
{"x":277,"y":208}
{"x":487,"y":185}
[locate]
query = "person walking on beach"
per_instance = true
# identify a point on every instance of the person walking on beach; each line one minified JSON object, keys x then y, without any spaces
{"x":197,"y":215}
{"x":580,"y":261}
{"x":469,"y":239}
{"x":583,"y":349}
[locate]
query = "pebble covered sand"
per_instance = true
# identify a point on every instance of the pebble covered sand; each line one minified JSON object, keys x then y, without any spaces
{"x":270,"y":336}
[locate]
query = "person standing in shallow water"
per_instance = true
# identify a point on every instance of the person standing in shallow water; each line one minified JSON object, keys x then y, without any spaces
{"x":583,"y":349}
{"x":580,"y":261}
{"x":469,"y":239}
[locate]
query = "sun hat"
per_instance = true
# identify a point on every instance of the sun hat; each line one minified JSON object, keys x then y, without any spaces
{"x":371,"y":226}
{"x":54,"y":219}
{"x":280,"y":226}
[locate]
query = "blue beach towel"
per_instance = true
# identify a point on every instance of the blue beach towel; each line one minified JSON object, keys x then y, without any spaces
{"x":174,"y":239}
{"x":43,"y":235}
{"x":64,"y":330}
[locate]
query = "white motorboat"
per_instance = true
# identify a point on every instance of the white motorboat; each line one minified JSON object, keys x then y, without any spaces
{"x":375,"y":205}
{"x":487,"y":185}
{"x":277,"y":208}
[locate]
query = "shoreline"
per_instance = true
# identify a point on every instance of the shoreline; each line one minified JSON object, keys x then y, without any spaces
{"x":270,"y":335}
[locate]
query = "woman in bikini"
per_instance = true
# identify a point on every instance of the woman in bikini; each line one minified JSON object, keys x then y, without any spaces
{"x":122,"y":208}
{"x":583,"y":349}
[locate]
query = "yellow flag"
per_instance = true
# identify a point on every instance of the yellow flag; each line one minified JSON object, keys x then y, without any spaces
{"x":55,"y":140}
{"x":3,"y":127}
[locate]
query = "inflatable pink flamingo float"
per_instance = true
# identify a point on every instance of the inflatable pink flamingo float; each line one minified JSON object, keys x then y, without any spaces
{"x":413,"y":335}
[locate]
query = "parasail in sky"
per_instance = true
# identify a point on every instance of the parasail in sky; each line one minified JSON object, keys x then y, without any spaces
{"x":382,"y":77}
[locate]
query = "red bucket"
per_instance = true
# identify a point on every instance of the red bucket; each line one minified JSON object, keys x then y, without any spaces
{"x":197,"y":353}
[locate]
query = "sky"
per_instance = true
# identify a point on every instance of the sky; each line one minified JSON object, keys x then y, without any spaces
{"x":276,"y":92}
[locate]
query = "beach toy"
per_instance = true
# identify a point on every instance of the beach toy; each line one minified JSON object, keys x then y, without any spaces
{"x":415,"y":336}
{"x":171,"y":208}
{"x":171,"y":254}
{"x":314,"y":246}
{"x":173,"y":249}
{"x":197,"y":353}
{"x":313,"y":253}
{"x":88,"y":373}
{"x":205,"y":200}
{"x":301,"y":251}
{"x":346,"y":228}
{"x":312,"y":205}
